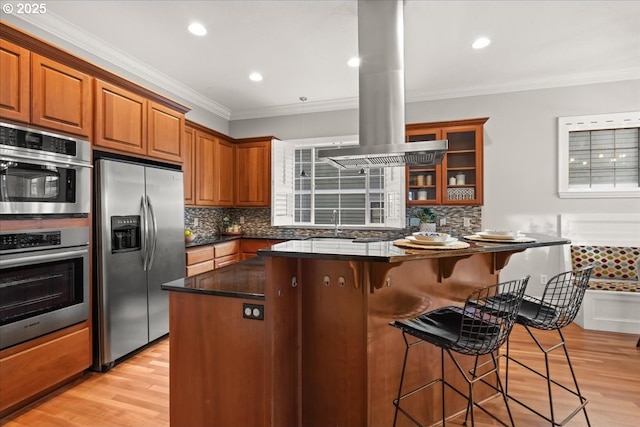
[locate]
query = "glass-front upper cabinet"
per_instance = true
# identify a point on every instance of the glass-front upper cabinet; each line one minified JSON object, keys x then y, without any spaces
{"x":459,"y":179}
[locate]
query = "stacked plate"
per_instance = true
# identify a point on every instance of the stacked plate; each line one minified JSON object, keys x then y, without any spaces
{"x":500,"y":234}
{"x":431,"y":239}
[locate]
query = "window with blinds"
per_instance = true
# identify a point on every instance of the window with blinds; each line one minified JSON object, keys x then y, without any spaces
{"x":310,"y":190}
{"x":599,"y":155}
{"x":606,"y":158}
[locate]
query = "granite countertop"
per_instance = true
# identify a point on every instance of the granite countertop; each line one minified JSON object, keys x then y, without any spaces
{"x":386,"y":251}
{"x":201,"y":241}
{"x":242,"y":280}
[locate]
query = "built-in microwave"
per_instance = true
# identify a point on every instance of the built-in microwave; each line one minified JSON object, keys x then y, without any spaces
{"x":42,"y":173}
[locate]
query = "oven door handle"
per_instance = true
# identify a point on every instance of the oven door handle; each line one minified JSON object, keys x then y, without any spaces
{"x":49,"y":162}
{"x":37,"y":259}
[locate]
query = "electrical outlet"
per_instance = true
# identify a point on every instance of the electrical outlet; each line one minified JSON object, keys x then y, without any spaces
{"x":196,"y":222}
{"x":253,"y":311}
{"x":466,"y":222}
{"x":241,"y":220}
{"x":543,"y":279}
{"x":443,"y":221}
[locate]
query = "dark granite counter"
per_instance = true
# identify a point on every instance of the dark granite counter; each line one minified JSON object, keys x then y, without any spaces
{"x":201,"y":241}
{"x":242,"y":280}
{"x":386,"y":251}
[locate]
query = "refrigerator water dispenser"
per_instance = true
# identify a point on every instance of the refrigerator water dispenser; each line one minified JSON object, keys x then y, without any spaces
{"x":125,"y":233}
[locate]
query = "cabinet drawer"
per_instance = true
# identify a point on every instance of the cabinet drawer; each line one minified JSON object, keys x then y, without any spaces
{"x":226,"y":260}
{"x":27,"y":374}
{"x":201,"y":267}
{"x":253,"y":245}
{"x":226,"y":248}
{"x":199,"y":254}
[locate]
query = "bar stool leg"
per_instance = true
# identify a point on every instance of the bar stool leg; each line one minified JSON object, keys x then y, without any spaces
{"x":575,"y":381}
{"x":547,"y":377}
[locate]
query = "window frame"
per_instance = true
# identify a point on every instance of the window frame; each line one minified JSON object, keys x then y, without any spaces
{"x":589,"y":123}
{"x":391,"y":194}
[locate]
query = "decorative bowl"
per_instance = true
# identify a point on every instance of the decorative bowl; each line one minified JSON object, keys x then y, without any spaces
{"x":430,"y":236}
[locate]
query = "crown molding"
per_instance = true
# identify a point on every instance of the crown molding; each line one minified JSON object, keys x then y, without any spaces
{"x":298,"y":108}
{"x":70,"y":33}
{"x":548,"y":82}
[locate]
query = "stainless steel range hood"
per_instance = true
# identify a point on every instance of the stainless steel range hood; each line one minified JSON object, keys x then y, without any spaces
{"x":381,"y":102}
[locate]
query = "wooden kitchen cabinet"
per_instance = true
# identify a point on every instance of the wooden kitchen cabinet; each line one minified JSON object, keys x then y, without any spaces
{"x":38,"y":90}
{"x":27,"y":371}
{"x":201,"y":259}
{"x":60,"y":97}
{"x":464,"y":157}
{"x":223,"y":173}
{"x":188,"y":169}
{"x":253,"y":172}
{"x":15,"y":84}
{"x":121,"y":119}
{"x":250,"y":247}
{"x":130,"y":123}
{"x":213,"y":171}
{"x":165,"y":131}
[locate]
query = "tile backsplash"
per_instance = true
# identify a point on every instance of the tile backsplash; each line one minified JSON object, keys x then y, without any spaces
{"x":257,"y":221}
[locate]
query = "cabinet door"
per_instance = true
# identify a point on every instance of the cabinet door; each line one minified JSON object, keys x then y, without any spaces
{"x":462,"y":166}
{"x":121,"y":119}
{"x":424,"y":186}
{"x":188,"y":169}
{"x":14,"y":84}
{"x":61,"y":97}
{"x":205,"y":173}
{"x":253,"y":174}
{"x":166,"y":128}
{"x":223,"y":173}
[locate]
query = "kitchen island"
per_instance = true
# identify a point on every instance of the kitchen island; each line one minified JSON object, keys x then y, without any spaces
{"x":300,"y":336}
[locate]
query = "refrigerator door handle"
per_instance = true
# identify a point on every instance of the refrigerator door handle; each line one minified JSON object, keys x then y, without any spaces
{"x":145,"y":232}
{"x":154,"y":243}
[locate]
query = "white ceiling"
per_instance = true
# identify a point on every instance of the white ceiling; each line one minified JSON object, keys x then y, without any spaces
{"x":301,"y":47}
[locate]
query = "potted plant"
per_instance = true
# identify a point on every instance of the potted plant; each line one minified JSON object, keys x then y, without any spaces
{"x":427,"y":219}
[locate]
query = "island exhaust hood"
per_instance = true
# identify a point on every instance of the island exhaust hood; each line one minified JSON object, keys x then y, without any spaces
{"x":381,"y":98}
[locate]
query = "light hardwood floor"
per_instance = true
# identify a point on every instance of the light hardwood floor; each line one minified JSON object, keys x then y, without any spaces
{"x":136,"y":392}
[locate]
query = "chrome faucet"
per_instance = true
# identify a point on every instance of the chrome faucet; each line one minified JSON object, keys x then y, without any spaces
{"x":334,"y":218}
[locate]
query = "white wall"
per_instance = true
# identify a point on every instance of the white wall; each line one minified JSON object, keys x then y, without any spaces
{"x":520,"y":144}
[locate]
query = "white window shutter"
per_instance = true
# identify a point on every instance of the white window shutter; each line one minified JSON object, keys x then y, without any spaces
{"x":281,"y":183}
{"x":394,"y":197}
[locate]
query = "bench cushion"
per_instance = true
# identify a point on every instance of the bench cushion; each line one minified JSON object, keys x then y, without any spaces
{"x":609,"y":262}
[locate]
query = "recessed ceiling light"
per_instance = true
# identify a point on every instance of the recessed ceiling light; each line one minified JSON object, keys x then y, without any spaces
{"x":197,"y":29}
{"x":354,"y":62}
{"x":481,"y":42}
{"x":256,"y":77}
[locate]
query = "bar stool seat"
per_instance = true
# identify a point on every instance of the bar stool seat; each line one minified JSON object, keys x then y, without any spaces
{"x":476,"y":329}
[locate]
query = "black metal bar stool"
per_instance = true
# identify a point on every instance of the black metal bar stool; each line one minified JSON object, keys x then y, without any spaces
{"x":476,"y":329}
{"x":558,"y":306}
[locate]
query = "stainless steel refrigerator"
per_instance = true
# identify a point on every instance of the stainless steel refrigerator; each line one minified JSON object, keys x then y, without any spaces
{"x":140,"y":245}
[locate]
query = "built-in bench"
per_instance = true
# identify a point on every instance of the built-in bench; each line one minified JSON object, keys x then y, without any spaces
{"x":608,"y":241}
{"x":612,"y":301}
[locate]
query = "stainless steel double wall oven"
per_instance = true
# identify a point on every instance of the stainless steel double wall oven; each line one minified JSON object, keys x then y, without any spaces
{"x":44,"y":273}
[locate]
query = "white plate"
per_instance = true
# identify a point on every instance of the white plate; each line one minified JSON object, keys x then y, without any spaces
{"x":486,"y":235}
{"x":450,"y":240}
